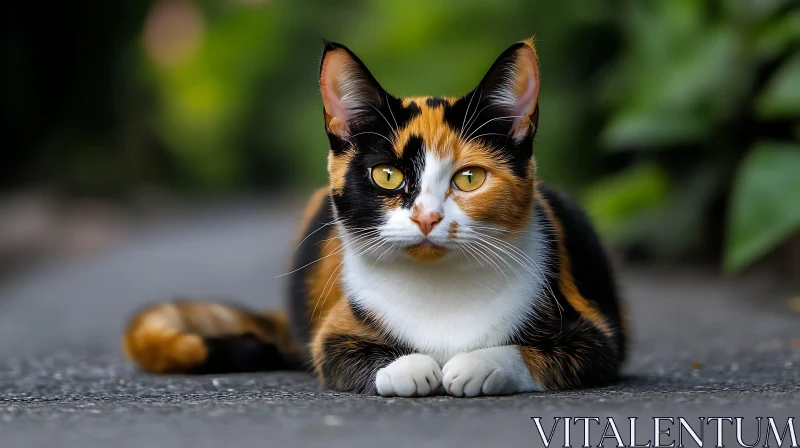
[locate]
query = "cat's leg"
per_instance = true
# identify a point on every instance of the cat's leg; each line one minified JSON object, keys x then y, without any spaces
{"x":488,"y":371}
{"x":351,"y":354}
{"x":577,"y":356}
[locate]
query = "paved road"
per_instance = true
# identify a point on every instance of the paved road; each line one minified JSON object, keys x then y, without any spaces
{"x":703,"y":346}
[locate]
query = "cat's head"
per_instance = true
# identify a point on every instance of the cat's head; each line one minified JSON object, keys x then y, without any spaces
{"x":428,"y":178}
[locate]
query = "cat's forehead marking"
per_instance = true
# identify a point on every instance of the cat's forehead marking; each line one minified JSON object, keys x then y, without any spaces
{"x":429,"y":125}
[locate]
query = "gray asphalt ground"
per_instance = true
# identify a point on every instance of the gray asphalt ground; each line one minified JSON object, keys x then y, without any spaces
{"x":703,"y":346}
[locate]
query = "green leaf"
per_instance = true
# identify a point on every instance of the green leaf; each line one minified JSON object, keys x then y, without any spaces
{"x":620,"y":199}
{"x":765,"y":205}
{"x":774,"y":36}
{"x":781,"y":97}
{"x":652,"y":130}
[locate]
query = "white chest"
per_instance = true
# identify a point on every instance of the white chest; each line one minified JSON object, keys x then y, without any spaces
{"x":441,"y":312}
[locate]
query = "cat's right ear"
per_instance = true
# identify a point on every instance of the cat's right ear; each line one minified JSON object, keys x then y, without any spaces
{"x":350,"y":94}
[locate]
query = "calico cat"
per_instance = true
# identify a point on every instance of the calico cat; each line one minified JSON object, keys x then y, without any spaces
{"x":433,"y":262}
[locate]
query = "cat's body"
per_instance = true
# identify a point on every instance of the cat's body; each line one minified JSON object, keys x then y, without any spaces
{"x":434,"y":258}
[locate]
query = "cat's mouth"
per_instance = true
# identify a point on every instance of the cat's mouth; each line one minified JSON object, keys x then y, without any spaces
{"x":427,"y":243}
{"x":426,"y":251}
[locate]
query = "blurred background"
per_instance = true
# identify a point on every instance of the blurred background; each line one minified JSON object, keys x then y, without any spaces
{"x":676,"y":123}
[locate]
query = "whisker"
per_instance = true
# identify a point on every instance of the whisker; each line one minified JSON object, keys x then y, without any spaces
{"x":466,"y":113}
{"x":488,"y":133}
{"x":490,"y":261}
{"x":332,"y":285}
{"x":396,"y":126}
{"x":491,"y":120}
{"x":320,"y":228}
{"x":373,"y":133}
{"x":323,"y":290}
{"x":477,"y":113}
{"x":489,"y":248}
{"x":358,"y":232}
{"x":472,"y":254}
{"x":394,"y":131}
{"x":391,"y":246}
{"x":337,"y":251}
{"x":531,"y":266}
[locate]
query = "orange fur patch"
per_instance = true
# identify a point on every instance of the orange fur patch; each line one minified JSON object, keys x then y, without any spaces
{"x":337,"y":169}
{"x":452,"y":231}
{"x":323,"y":281}
{"x":156,"y":342}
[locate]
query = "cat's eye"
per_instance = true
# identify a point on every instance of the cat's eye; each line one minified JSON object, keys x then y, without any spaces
{"x":387,"y":177}
{"x":469,"y":178}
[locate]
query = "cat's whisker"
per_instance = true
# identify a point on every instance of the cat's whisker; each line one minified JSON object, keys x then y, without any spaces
{"x":358,"y":232}
{"x":372,"y":133}
{"x":336,"y":252}
{"x":492,"y":249}
{"x":311,"y":320}
{"x":508,"y":245}
{"x":389,"y":106}
{"x":466,"y":113}
{"x":325,"y":300}
{"x":468,"y":249}
{"x":490,"y":260}
{"x":516,"y":254}
{"x":484,"y":135}
{"x":394,"y":131}
{"x":491,"y":120}
{"x":475,"y":116}
{"x":391,"y":246}
{"x":531,"y":266}
{"x":324,"y":288}
{"x":320,"y":228}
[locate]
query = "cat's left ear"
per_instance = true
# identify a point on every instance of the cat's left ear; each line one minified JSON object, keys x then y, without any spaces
{"x":511,"y":87}
{"x":350,"y":94}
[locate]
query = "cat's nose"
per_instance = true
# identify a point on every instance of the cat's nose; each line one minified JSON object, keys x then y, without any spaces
{"x":426,"y":221}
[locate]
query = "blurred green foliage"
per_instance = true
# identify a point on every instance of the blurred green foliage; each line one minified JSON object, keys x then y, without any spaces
{"x":673,"y":121}
{"x":698,"y":94}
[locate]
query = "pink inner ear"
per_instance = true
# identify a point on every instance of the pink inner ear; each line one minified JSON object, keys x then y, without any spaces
{"x":526,"y":89}
{"x":334,"y":72}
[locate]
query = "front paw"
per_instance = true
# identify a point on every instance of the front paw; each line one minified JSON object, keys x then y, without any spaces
{"x":414,"y":375}
{"x":471,"y":375}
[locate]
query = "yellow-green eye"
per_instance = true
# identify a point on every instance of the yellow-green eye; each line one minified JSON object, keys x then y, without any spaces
{"x":470,"y":178}
{"x":387,"y":176}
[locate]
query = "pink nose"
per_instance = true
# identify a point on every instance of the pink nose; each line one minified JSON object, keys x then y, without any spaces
{"x":426,"y":221}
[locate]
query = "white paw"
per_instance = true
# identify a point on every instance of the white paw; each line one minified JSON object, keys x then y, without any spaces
{"x":471,"y":375}
{"x":414,"y":375}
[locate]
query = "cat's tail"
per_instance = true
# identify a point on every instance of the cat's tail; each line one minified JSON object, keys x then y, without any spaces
{"x":204,"y":337}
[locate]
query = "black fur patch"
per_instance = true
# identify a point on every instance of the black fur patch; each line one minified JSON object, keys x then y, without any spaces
{"x":361,"y":201}
{"x":589,"y":264}
{"x":578,"y":353}
{"x":363,"y":316}
{"x":350,"y":363}
{"x":242,"y":353}
{"x":413,"y":164}
{"x":435,"y":102}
